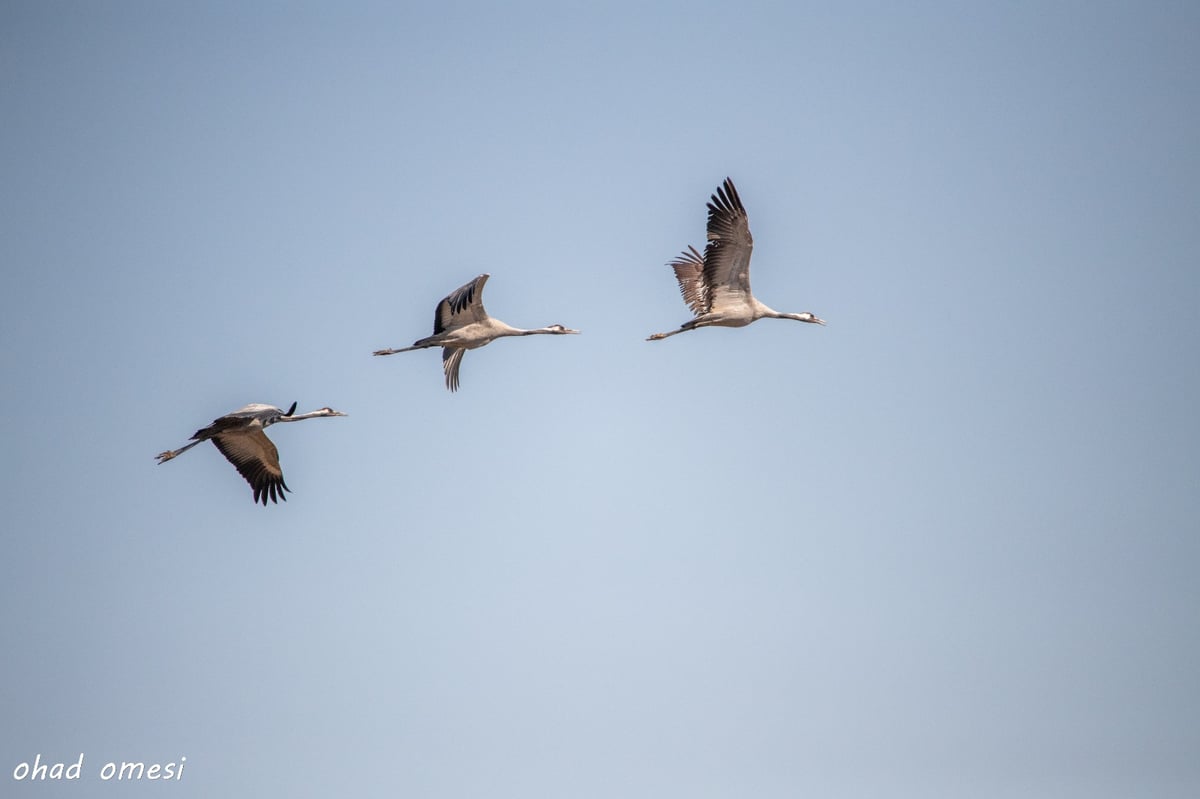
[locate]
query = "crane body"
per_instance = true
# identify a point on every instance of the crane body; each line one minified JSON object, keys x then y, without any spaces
{"x":461,"y":323}
{"x":716,"y":285}
{"x":240,"y":437}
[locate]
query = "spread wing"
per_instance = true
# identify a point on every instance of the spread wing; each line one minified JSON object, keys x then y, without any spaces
{"x":451,"y":358}
{"x":727,"y":256}
{"x":254,"y":414}
{"x":257,"y":460}
{"x":689,"y":271}
{"x":463,"y":306}
{"x":228,"y":423}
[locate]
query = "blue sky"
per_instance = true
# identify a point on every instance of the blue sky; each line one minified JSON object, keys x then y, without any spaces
{"x":944,"y":546}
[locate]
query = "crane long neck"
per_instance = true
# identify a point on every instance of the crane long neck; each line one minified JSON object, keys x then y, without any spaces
{"x":799,"y":317}
{"x":508,"y":330}
{"x":771,"y":313}
{"x":301,"y":416}
{"x":765,"y":312}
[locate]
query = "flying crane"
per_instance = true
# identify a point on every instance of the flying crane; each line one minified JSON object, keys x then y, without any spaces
{"x":240,"y":438}
{"x":460,"y":323}
{"x":716,"y":285}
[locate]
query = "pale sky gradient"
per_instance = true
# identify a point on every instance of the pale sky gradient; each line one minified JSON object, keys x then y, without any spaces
{"x":946,"y":546}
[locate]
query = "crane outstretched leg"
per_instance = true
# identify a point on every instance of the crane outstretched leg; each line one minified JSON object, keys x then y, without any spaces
{"x":424,"y":343}
{"x":163,"y":457}
{"x":686,"y":326}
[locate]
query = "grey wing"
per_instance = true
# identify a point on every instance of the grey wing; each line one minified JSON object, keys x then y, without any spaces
{"x":462,"y":306}
{"x":689,"y":271}
{"x":727,"y":256}
{"x":225,"y":424}
{"x":451,"y":358}
{"x":254,"y":414}
{"x":257,"y":460}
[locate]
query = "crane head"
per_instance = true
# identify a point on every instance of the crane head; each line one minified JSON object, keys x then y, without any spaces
{"x":803,"y":317}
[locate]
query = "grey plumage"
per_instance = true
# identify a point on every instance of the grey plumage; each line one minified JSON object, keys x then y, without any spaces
{"x":240,"y":438}
{"x":461,"y":323}
{"x":716,"y":286}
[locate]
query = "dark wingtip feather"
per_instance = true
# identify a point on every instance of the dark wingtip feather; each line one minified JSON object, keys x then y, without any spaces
{"x":272,"y":489}
{"x":732,"y":193}
{"x":726,"y":215}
